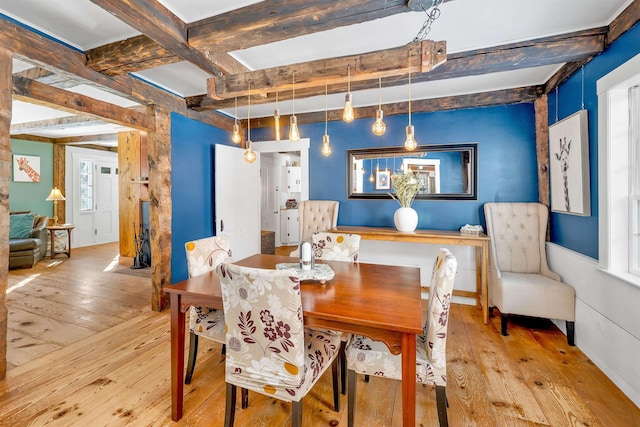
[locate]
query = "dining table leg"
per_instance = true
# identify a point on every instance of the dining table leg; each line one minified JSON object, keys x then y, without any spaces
{"x":408,"y":380}
{"x":177,"y":357}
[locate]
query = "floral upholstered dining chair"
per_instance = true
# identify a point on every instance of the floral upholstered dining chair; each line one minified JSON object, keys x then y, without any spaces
{"x":370,"y":357}
{"x":203,"y":256}
{"x":269,"y":350}
{"x":336,"y":246}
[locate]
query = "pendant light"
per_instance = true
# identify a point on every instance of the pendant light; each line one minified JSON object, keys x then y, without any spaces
{"x":347,"y":114}
{"x":294,"y":133}
{"x":235,"y":135}
{"x":410,"y":143}
{"x":379,"y":127}
{"x":249,"y":155}
{"x":276,"y":119}
{"x":371,"y":178}
{"x":326,"y":146}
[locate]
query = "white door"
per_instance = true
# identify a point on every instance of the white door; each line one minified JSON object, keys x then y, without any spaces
{"x":269,"y":193}
{"x":237,"y":200}
{"x":107,"y":228}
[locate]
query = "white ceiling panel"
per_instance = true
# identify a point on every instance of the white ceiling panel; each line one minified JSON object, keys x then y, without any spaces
{"x":195,"y":10}
{"x":181,"y":78}
{"x":79,"y":23}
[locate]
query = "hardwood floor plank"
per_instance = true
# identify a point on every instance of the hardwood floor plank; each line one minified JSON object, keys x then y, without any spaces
{"x":120,"y":376}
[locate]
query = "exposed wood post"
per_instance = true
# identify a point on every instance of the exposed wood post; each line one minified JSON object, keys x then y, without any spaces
{"x":5,"y":176}
{"x":59,"y":172}
{"x":542,"y":148}
{"x":129,"y":192}
{"x":159,"y":155}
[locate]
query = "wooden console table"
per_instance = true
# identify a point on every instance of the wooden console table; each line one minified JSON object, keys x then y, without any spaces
{"x":440,"y":237}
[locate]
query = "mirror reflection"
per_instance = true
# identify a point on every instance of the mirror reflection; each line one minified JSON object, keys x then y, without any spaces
{"x":444,"y":171}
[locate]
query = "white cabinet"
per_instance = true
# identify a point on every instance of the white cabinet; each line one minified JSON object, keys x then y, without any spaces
{"x":289,"y":226}
{"x":292,"y":177}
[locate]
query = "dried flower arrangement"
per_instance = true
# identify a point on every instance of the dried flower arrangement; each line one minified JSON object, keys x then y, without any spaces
{"x":405,"y":186}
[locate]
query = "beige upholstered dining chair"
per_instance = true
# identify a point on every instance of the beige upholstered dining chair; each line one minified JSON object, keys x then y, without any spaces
{"x":314,"y":216}
{"x":269,"y":350}
{"x":520,"y":281}
{"x":337,"y":247}
{"x":369,"y":357}
{"x":203,"y":256}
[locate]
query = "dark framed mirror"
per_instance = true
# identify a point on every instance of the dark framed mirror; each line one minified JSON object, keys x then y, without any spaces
{"x":445,"y":172}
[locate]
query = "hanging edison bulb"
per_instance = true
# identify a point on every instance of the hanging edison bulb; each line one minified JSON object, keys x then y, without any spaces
{"x":235,"y":134}
{"x":410,"y":143}
{"x":379,"y":127}
{"x":371,"y":178}
{"x":326,"y":145}
{"x":294,"y":132}
{"x":250,"y":156}
{"x":276,"y":119}
{"x":347,"y":114}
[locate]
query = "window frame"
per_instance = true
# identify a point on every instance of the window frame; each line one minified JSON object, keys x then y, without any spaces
{"x":614,"y":201}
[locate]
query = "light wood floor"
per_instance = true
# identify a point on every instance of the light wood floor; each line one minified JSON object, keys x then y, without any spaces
{"x":100,"y":357}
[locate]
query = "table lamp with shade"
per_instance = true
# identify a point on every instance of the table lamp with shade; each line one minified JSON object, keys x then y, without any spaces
{"x":55,"y":195}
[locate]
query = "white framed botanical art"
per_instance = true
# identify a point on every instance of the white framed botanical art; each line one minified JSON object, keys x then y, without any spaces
{"x":26,"y":168}
{"x":569,"y":165}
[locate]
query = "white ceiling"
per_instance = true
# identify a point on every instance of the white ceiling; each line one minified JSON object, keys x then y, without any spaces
{"x":464,"y":24}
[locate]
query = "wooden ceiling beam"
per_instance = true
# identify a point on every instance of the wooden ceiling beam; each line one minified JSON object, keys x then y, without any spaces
{"x":416,"y":57}
{"x":41,"y":94}
{"x":275,"y":20}
{"x":56,"y":123}
{"x":558,"y":49}
{"x":151,"y":18}
{"x":483,"y":99}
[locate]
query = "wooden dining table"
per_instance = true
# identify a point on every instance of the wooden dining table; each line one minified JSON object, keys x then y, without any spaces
{"x":378,"y":301}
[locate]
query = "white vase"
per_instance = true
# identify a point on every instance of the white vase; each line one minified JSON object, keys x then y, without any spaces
{"x":405,"y":219}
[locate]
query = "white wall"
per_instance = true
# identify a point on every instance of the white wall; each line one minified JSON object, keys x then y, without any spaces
{"x":607,"y":317}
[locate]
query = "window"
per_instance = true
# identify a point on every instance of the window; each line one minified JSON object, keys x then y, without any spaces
{"x":86,"y":186}
{"x":619,"y":171}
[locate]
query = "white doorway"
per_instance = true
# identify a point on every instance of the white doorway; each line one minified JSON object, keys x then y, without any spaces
{"x":278,"y":154}
{"x":92,"y":196}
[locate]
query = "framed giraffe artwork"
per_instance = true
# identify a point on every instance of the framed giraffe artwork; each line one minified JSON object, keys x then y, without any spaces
{"x":26,"y":168}
{"x":569,"y":165}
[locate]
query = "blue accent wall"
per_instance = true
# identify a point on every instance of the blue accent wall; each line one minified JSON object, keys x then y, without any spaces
{"x":578,"y":233}
{"x":507,"y":166}
{"x":192,"y":171}
{"x":31,"y":195}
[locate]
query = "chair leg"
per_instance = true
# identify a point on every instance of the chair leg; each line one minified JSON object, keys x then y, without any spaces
{"x":193,"y":352}
{"x":491,"y":310}
{"x":571,"y":332}
{"x":503,"y":324}
{"x":336,"y":392}
{"x":343,"y":366}
{"x":230,"y":406}
{"x":245,"y":398}
{"x":351,"y":397}
{"x":296,"y":414}
{"x":441,"y":404}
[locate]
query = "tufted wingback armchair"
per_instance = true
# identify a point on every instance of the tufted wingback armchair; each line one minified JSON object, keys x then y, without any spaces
{"x":369,"y":357}
{"x":314,"y":216}
{"x":520,"y":281}
{"x":269,"y":350}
